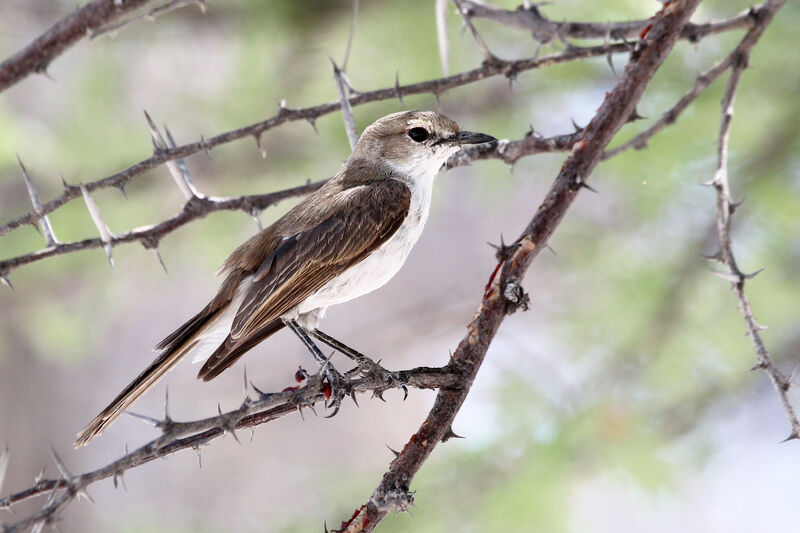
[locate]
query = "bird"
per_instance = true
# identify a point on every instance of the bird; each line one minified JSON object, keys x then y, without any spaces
{"x":345,"y":240}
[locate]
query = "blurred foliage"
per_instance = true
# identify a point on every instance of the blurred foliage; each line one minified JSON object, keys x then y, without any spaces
{"x":651,"y":338}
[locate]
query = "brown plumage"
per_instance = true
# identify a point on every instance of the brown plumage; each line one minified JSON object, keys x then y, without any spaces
{"x":304,"y":262}
{"x":289,"y":261}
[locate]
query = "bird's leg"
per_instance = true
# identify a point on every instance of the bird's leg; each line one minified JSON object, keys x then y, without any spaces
{"x":365,"y":364}
{"x":333,"y":376}
{"x":339,"y":346}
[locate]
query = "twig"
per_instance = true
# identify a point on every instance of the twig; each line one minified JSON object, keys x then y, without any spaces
{"x":393,"y":494}
{"x":149,"y":236}
{"x":176,"y":436}
{"x":543,"y":30}
{"x":756,"y":15}
{"x":704,"y":80}
{"x":151,"y":15}
{"x":36,"y":57}
{"x":435,"y":86}
{"x":487,"y":54}
{"x":725,"y":208}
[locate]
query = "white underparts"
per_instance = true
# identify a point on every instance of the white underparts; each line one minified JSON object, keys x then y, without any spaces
{"x":215,"y":331}
{"x":371,"y":273}
{"x":381,"y":265}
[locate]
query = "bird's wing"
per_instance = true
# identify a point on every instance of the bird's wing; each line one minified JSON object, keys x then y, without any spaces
{"x":347,"y":232}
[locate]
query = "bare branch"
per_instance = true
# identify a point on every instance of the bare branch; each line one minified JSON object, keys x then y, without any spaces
{"x":435,"y":86}
{"x":725,"y":207}
{"x":503,"y":293}
{"x":488,"y":55}
{"x":150,"y":236}
{"x":508,"y":151}
{"x":151,"y":15}
{"x":704,"y":80}
{"x":37,"y":56}
{"x":393,"y":494}
{"x":176,"y":436}
{"x":512,"y":151}
{"x":543,"y":30}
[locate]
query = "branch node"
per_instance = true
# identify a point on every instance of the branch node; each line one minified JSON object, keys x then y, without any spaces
{"x":393,"y":500}
{"x":503,"y":251}
{"x":516,"y":297}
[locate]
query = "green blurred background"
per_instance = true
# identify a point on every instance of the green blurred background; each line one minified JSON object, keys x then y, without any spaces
{"x":620,"y":402}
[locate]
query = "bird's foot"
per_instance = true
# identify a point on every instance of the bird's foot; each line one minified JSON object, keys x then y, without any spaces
{"x":387,"y":379}
{"x":333,"y":387}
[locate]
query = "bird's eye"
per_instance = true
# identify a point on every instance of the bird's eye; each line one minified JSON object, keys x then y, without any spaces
{"x":418,"y":134}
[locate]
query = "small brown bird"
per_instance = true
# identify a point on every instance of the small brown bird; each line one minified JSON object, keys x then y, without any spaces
{"x":348,"y":238}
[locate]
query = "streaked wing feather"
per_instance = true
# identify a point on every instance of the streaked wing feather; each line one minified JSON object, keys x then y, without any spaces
{"x":305,"y":262}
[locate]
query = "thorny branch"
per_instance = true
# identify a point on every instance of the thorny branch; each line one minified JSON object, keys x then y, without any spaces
{"x":310,"y":114}
{"x":37,"y":56}
{"x":530,"y":19}
{"x":503,"y":292}
{"x":176,"y":436}
{"x":393,"y":493}
{"x":198,"y":207}
{"x":725,"y":208}
{"x":151,"y":14}
{"x":703,"y":81}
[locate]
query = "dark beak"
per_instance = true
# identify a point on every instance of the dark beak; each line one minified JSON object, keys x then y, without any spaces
{"x":468,"y":137}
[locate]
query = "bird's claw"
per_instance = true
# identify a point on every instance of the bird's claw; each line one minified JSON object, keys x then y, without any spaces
{"x":337,"y":389}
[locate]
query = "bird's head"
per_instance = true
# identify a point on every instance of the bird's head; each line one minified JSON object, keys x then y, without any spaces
{"x":415,"y":143}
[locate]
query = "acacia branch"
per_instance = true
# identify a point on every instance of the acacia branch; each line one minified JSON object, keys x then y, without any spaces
{"x":198,"y":207}
{"x":725,"y":208}
{"x":310,"y":114}
{"x":702,"y":83}
{"x":502,"y":296}
{"x":503,"y":293}
{"x":530,"y":19}
{"x":176,"y":436}
{"x":37,"y":56}
{"x":435,"y":86}
{"x":149,"y":236}
{"x":151,"y":14}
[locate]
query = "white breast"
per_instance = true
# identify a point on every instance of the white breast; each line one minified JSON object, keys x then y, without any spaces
{"x":381,"y":265}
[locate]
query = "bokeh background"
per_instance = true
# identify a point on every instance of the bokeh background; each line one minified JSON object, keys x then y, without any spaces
{"x":620,"y":402}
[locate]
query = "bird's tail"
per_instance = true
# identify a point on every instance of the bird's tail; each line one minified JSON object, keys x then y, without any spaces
{"x":176,"y":346}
